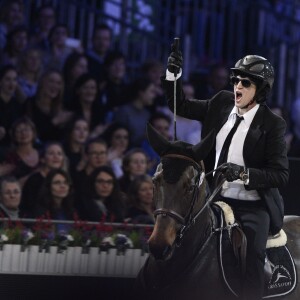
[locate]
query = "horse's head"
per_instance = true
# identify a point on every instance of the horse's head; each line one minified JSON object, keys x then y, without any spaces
{"x":179,"y":189}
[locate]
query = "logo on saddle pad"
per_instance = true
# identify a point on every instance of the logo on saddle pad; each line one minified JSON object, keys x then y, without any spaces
{"x":280,"y":278}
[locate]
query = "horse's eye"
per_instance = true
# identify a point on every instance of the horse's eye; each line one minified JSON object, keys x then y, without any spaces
{"x":191,"y":188}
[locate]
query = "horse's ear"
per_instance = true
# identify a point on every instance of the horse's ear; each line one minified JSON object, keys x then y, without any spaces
{"x":159,"y":143}
{"x":202,"y":149}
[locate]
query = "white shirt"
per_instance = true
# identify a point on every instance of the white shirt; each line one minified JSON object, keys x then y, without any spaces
{"x":236,"y":189}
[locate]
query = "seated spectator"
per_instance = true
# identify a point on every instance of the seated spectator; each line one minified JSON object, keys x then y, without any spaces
{"x":17,"y":42}
{"x":294,"y":150}
{"x":75,"y":65}
{"x":153,"y":70}
{"x":10,"y":108}
{"x":141,"y":200}
{"x":135,"y":114}
{"x":76,"y":136}
{"x":56,"y":55}
{"x":30,"y":69}
{"x":45,"y":21}
{"x":11,"y":15}
{"x":217,"y":79}
{"x":101,"y":47}
{"x":117,"y":138}
{"x":103,"y":199}
{"x":114,"y":86}
{"x":52,"y":157}
{"x":55,"y":200}
{"x":95,"y":157}
{"x":23,"y":159}
{"x":85,"y":104}
{"x":10,"y":198}
{"x":186,"y":130}
{"x":289,"y":136}
{"x":161,"y":122}
{"x":46,"y":107}
{"x":134,"y":164}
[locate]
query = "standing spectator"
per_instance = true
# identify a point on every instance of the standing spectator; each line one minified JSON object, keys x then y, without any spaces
{"x":55,"y":199}
{"x":77,"y":133}
{"x":10,"y":108}
{"x":46,"y":107}
{"x":103,"y":197}
{"x":11,"y":15}
{"x":52,"y":157}
{"x":101,"y":46}
{"x":23,"y":159}
{"x":17,"y":42}
{"x":75,"y":65}
{"x":141,"y":205}
{"x":134,"y":164}
{"x":10,"y":198}
{"x":45,"y":21}
{"x":117,"y":138}
{"x":30,"y":68}
{"x":135,"y":114}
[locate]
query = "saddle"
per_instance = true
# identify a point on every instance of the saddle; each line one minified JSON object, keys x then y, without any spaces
{"x":280,"y":270}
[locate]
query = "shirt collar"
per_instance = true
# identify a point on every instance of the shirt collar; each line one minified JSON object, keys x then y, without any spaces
{"x":248,"y":116}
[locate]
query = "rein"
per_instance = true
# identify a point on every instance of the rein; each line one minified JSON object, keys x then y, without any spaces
{"x":189,"y":219}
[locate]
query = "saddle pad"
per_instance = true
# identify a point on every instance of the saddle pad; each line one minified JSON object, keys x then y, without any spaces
{"x":284,"y":275}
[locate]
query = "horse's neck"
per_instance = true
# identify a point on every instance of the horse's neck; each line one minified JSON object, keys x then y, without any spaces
{"x":198,"y":234}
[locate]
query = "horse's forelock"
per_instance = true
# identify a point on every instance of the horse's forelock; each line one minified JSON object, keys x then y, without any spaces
{"x":172,"y":171}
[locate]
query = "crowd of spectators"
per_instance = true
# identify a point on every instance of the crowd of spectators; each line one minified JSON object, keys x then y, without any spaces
{"x":72,"y":122}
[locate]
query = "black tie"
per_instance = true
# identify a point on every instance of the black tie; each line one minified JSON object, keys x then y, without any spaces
{"x":225,"y":148}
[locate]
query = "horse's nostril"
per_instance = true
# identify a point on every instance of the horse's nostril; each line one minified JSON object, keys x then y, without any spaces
{"x":160,"y":253}
{"x":167,"y":251}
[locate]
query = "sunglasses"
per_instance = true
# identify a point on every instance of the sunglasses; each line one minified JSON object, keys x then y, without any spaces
{"x":245,"y":82}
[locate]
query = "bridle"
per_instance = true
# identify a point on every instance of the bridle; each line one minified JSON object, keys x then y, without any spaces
{"x":189,"y":219}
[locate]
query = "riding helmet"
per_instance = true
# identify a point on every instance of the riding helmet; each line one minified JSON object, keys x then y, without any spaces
{"x":256,"y":67}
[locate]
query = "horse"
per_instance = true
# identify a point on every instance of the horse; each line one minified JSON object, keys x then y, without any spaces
{"x":184,"y":260}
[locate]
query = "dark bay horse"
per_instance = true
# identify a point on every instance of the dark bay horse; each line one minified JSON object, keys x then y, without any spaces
{"x":184,"y":260}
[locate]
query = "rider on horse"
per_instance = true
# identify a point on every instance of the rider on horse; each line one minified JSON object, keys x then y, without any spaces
{"x":249,"y":150}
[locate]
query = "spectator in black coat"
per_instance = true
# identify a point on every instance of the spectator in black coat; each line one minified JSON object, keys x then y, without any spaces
{"x":104,"y":199}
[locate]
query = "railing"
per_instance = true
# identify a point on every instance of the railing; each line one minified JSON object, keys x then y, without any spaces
{"x":68,"y":248}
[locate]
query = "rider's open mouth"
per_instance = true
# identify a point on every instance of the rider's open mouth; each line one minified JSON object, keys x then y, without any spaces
{"x":238,"y":95}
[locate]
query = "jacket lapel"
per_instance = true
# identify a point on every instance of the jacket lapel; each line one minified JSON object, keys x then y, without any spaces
{"x":254,"y":132}
{"x":224,"y":117}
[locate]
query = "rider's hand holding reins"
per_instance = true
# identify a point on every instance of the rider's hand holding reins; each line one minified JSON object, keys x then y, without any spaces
{"x":231,"y":171}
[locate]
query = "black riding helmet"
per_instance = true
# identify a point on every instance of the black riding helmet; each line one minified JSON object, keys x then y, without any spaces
{"x":259,"y":69}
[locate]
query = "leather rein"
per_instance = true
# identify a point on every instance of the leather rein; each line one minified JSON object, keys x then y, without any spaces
{"x":190,"y":219}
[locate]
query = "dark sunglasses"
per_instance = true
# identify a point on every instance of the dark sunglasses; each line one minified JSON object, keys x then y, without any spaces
{"x":245,"y":82}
